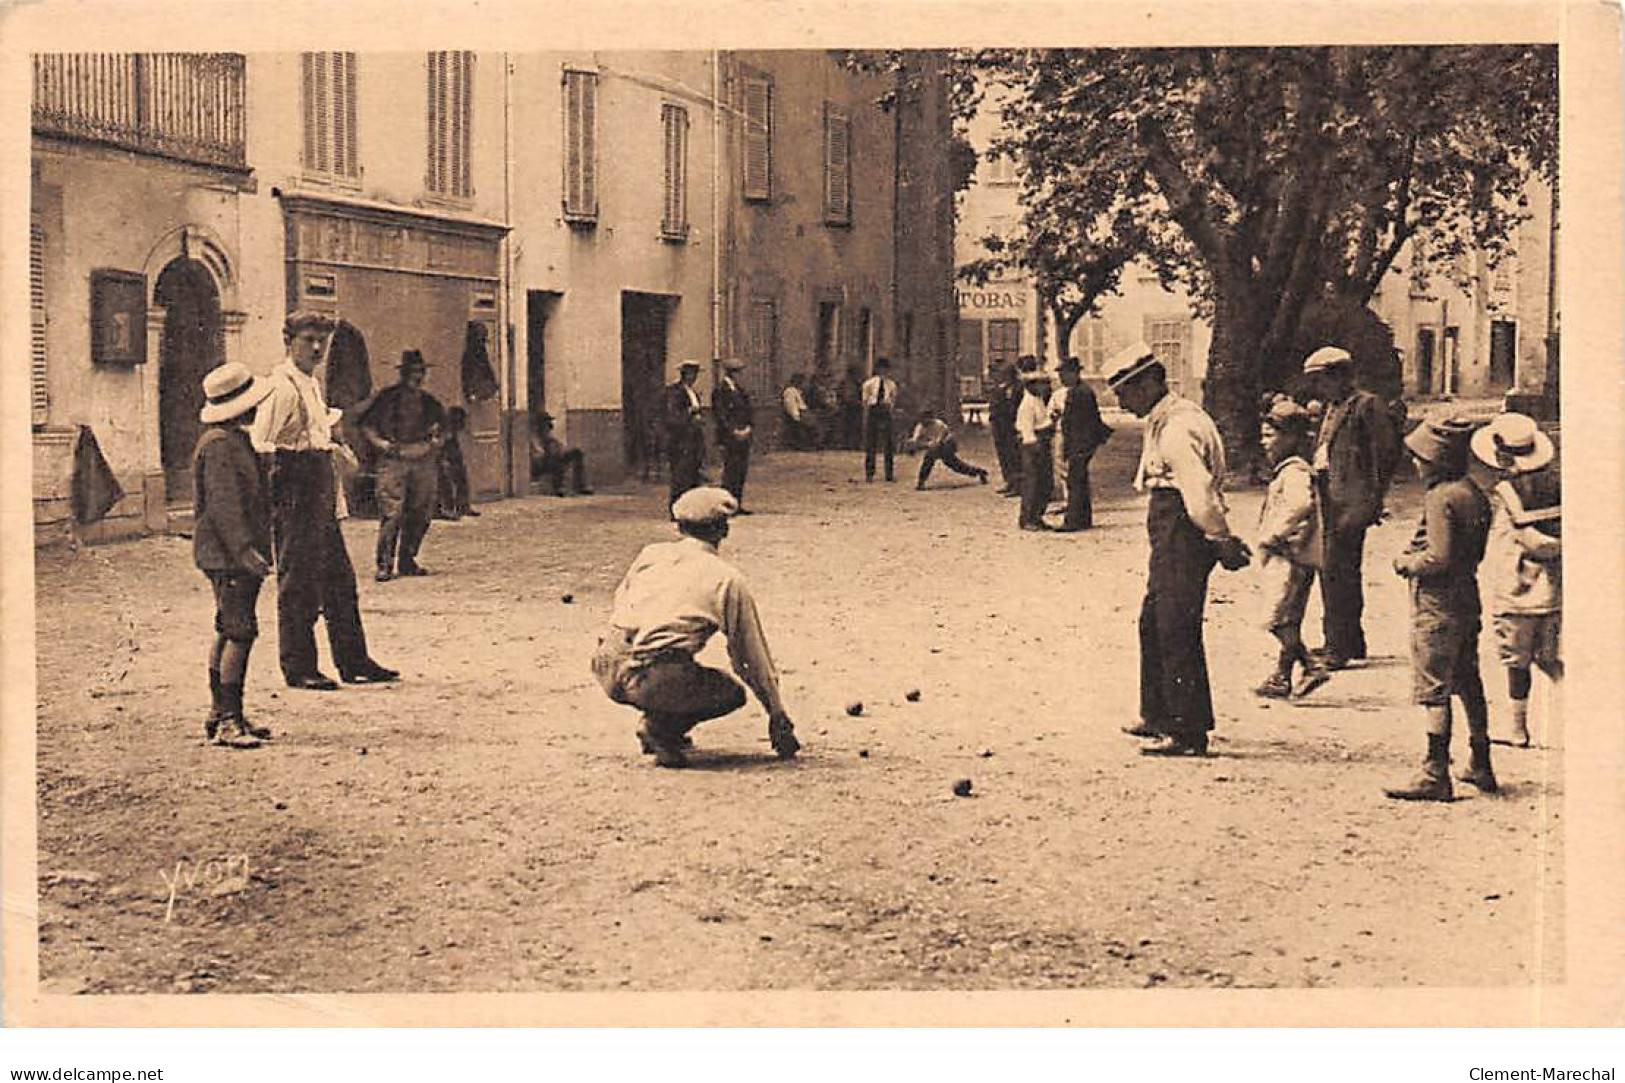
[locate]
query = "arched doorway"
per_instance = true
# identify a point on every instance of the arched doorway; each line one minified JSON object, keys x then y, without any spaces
{"x":192,"y":344}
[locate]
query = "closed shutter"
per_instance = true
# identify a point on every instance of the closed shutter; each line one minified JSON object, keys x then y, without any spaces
{"x":758,"y":94}
{"x":674,"y":127}
{"x":328,"y":100}
{"x":308,"y":100}
{"x":465,"y":142}
{"x":837,"y":166}
{"x":580,"y":141}
{"x":39,"y":386}
{"x":346,"y":162}
{"x":764,"y":334}
{"x":321,"y":107}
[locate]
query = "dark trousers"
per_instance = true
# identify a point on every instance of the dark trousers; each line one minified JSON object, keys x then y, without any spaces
{"x":406,"y":499}
{"x":686,"y":451}
{"x":1008,"y":448}
{"x":1174,"y":695}
{"x":1037,"y":482}
{"x":1080,"y":508}
{"x":947,"y":453}
{"x":676,"y":693}
{"x":1342,"y":592}
{"x":877,"y":436}
{"x":314,"y":574}
{"x":453,"y":497}
{"x":554,"y":466}
{"x":735,"y":465}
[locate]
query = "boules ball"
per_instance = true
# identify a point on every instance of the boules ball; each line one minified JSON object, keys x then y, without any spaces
{"x":962,"y":788}
{"x":912,"y":695}
{"x":568,"y":598}
{"x":854,"y":708}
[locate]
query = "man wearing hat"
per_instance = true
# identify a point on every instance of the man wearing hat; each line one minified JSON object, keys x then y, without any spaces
{"x":879,"y":398}
{"x":1004,"y":401}
{"x":1355,"y":453}
{"x":1035,"y":429}
{"x":231,"y":542}
{"x":685,"y":430}
{"x":1441,"y":563}
{"x":731,"y":410}
{"x":1082,"y":433}
{"x":549,"y":457}
{"x":405,"y":425}
{"x":314,"y":574}
{"x":1182,"y":467}
{"x":1525,"y":555}
{"x":673,"y":599}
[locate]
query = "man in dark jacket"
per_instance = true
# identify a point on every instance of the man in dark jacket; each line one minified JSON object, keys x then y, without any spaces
{"x":1004,"y":398}
{"x":405,"y":426}
{"x":1082,"y":433}
{"x":1355,"y":453}
{"x":685,"y":430}
{"x":731,"y":410}
{"x":231,"y":542}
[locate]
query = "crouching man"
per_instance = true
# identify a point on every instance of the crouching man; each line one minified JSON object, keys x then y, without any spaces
{"x":673,"y":599}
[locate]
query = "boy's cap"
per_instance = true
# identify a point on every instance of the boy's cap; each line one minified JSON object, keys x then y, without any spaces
{"x":1288,"y":416}
{"x":1512,"y":442}
{"x":1325,"y":358}
{"x":231,"y":390}
{"x":1443,"y":442}
{"x":706,"y":504}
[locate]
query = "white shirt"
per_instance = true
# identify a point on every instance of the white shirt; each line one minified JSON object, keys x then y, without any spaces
{"x":879,"y":391}
{"x":1032,"y":418}
{"x":294,"y":416}
{"x":795,"y":404}
{"x":1183,"y":451}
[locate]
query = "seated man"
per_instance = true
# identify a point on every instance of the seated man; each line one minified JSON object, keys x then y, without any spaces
{"x":549,"y":456}
{"x":800,"y":428}
{"x":673,"y":599}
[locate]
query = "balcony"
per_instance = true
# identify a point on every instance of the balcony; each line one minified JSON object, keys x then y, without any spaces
{"x":183,"y":106}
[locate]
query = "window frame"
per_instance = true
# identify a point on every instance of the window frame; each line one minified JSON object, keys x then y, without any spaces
{"x":674,"y":129}
{"x":329,"y":151}
{"x":756,"y":189}
{"x":579,"y":197}
{"x":837,"y":173}
{"x":448,"y":172}
{"x":39,"y":319}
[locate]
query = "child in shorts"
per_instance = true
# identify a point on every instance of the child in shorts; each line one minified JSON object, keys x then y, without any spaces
{"x":1289,"y":541}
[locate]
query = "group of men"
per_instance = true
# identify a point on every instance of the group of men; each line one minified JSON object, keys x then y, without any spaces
{"x":1044,"y":438}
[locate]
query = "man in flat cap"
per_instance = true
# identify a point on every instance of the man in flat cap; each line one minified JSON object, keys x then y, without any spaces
{"x":1355,"y":453}
{"x":1182,"y":466}
{"x":673,"y":599}
{"x":731,"y":410}
{"x":685,"y":430}
{"x":405,"y":426}
{"x":314,"y":574}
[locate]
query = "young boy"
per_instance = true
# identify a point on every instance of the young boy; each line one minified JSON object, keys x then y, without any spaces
{"x":231,"y":542}
{"x":1289,"y":539}
{"x":453,"y":493}
{"x":1525,"y":555}
{"x":1442,"y":565}
{"x":932,"y":436}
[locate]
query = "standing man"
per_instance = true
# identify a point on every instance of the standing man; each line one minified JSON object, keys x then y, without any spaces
{"x":731,"y":410}
{"x":405,"y":426}
{"x":1356,"y":451}
{"x":674,"y":598}
{"x":1035,"y":429}
{"x":685,"y":430}
{"x":314,"y":574}
{"x":1004,"y":399}
{"x":879,"y":397}
{"x":1182,"y":465}
{"x":1082,"y":433}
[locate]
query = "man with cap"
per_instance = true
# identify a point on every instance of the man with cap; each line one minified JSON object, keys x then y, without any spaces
{"x":405,"y":425}
{"x":879,"y":398}
{"x":550,"y":458}
{"x":1441,"y":563}
{"x":314,"y":574}
{"x":1182,"y":465}
{"x":672,"y":600}
{"x":1355,"y":453}
{"x":1082,"y":433}
{"x":231,"y":542}
{"x":1525,"y":555}
{"x":1035,"y":429}
{"x":731,"y":410}
{"x":685,"y":430}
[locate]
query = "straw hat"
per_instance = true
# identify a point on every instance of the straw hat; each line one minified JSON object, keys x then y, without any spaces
{"x":231,"y":390}
{"x":1131,"y":362}
{"x":1514,"y":443}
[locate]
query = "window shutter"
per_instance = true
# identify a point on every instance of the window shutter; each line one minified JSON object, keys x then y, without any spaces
{"x":758,"y":138}
{"x":465,"y":146}
{"x":323,"y":108}
{"x":438,"y":168}
{"x":674,"y":128}
{"x":580,"y":154}
{"x":347,"y":162}
{"x":430,"y":111}
{"x":764,"y":327}
{"x":837,"y":166}
{"x":308,"y":87}
{"x":39,"y":386}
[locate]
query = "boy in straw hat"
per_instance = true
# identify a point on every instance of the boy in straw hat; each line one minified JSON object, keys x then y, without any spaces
{"x":1525,"y":555}
{"x":1442,"y":566}
{"x":1289,"y":541}
{"x":231,"y":542}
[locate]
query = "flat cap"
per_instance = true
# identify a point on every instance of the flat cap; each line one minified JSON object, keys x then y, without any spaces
{"x":1286,"y":414}
{"x":706,"y":504}
{"x":733,"y":364}
{"x":1327,"y":357}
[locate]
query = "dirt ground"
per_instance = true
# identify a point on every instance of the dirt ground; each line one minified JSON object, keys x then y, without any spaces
{"x":488,"y":823}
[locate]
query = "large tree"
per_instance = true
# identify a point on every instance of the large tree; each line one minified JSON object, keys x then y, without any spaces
{"x":1284,"y":177}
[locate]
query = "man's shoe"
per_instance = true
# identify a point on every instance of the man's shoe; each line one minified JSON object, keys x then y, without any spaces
{"x":211,"y":726}
{"x":475,"y":514}
{"x":1069,"y":529}
{"x":1313,"y":677}
{"x":371,"y":674}
{"x":1007,"y":491}
{"x":1143,"y":729}
{"x":1171,"y":745}
{"x":1427,"y":786}
{"x":414,"y":569}
{"x":313,"y":682}
{"x":259,"y":733}
{"x":1276,"y":686}
{"x":1479,"y":772}
{"x":782,"y":735}
{"x":384,"y":575}
{"x":744,"y":511}
{"x":1036,"y":526}
{"x":981,"y":476}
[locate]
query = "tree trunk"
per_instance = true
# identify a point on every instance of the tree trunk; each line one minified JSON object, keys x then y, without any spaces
{"x":1230,"y":391}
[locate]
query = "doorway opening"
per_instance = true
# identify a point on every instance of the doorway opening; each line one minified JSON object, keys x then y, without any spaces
{"x":193,"y":343}
{"x":1425,"y":343}
{"x":1503,"y":354}
{"x":644,"y":320}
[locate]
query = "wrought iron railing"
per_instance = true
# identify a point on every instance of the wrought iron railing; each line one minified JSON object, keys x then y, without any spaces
{"x":187,"y":106}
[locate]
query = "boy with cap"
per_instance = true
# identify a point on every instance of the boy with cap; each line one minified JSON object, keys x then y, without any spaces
{"x":932,"y":436}
{"x":405,"y":425}
{"x":1525,"y":555}
{"x":231,"y":542}
{"x":731,"y":410}
{"x":1442,"y":566}
{"x":672,"y":600}
{"x":1289,"y":539}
